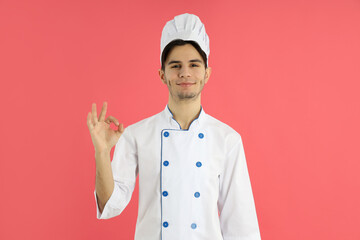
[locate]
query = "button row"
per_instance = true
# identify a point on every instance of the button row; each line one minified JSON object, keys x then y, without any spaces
{"x":193,"y":225}
{"x":167,"y":134}
{"x":165,"y":194}
{"x":166,"y":163}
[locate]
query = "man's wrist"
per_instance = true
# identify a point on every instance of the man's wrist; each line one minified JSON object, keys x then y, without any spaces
{"x":102,"y":153}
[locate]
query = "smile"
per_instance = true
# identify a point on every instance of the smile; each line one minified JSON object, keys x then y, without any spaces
{"x":186,"y":84}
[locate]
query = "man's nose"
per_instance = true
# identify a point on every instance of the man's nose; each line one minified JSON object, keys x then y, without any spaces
{"x":185,"y":72}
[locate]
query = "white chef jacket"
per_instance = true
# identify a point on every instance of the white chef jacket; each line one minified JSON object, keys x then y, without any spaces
{"x":193,"y":184}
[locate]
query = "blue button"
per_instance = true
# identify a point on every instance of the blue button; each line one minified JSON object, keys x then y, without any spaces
{"x":165,"y":193}
{"x":166,"y":134}
{"x":166,"y":163}
{"x":165,"y":224}
{"x":198,"y":164}
{"x":197,"y":194}
{"x":193,"y":226}
{"x":201,"y":135}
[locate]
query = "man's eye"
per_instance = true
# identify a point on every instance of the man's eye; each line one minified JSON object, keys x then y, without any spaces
{"x":193,"y":65}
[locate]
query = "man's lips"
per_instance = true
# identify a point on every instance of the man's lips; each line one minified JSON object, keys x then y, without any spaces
{"x":186,"y":84}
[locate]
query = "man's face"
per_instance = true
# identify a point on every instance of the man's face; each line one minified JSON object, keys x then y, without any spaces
{"x":185,"y":74}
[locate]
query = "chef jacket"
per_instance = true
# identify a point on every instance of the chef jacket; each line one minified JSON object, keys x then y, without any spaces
{"x":193,"y":183}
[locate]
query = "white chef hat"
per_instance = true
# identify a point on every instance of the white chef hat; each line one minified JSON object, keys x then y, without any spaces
{"x":186,"y":27}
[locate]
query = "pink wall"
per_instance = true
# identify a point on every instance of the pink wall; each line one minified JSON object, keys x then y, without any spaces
{"x":285,"y":76}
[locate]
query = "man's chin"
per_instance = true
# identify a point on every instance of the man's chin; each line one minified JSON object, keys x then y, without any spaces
{"x":187,"y":96}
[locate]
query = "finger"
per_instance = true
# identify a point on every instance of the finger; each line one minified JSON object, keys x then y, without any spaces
{"x":121,"y":128}
{"x":111,"y":119}
{"x":103,"y":112}
{"x":89,"y":123}
{"x":94,"y":114}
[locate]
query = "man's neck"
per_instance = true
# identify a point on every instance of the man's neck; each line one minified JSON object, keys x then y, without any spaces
{"x":184,"y":112}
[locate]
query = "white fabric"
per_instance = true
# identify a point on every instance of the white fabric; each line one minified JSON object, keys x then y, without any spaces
{"x":186,"y":27}
{"x":222,"y":180}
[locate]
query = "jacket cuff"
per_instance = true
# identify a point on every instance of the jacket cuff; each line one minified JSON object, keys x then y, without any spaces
{"x":107,"y":211}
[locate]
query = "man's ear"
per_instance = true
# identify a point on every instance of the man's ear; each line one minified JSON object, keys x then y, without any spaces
{"x":161,"y":75}
{"x":207,"y":74}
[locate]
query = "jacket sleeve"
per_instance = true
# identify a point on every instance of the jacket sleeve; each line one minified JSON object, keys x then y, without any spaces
{"x":125,"y":170}
{"x":238,"y":219}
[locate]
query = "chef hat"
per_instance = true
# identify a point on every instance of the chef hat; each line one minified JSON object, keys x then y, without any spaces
{"x":186,"y":27}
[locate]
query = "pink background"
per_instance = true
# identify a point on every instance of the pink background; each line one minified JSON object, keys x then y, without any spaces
{"x":285,"y":76}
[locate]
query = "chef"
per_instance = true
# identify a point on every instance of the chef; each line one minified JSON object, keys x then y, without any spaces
{"x":193,"y":176}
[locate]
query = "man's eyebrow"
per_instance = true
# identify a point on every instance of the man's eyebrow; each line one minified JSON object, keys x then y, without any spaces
{"x":192,"y":60}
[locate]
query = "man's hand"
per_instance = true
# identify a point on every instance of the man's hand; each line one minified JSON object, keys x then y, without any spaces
{"x":102,"y":136}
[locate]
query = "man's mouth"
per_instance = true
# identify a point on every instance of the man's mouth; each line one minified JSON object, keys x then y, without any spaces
{"x":186,"y":84}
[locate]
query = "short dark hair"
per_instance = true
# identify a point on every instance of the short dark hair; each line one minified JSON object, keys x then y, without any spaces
{"x":180,"y":42}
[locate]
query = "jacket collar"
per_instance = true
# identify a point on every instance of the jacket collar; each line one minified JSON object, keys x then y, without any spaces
{"x":175,"y":125}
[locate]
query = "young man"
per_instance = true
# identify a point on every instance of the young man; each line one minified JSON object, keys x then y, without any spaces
{"x":193,"y":177}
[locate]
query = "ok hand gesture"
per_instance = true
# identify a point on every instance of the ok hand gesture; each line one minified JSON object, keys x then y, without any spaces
{"x":103,"y":137}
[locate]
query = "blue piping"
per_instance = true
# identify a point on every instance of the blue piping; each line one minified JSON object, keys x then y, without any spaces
{"x":172,"y":116}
